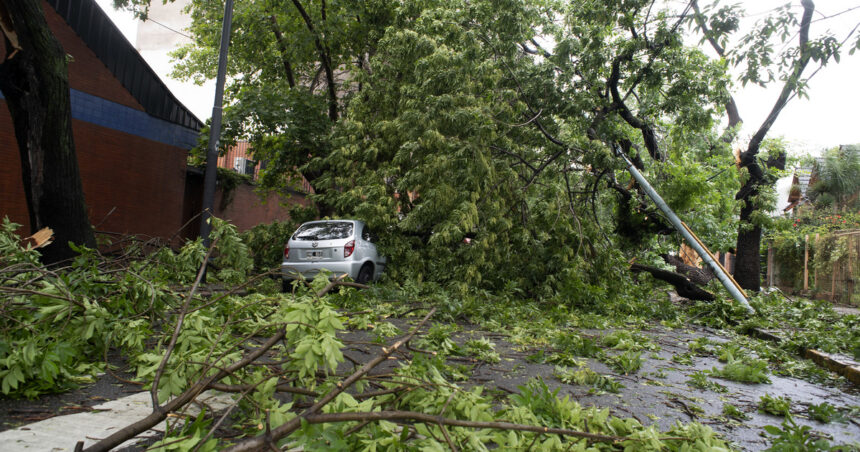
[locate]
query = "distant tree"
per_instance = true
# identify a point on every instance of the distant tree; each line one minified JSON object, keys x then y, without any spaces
{"x":755,"y":55}
{"x":838,"y":184}
{"x":34,"y":81}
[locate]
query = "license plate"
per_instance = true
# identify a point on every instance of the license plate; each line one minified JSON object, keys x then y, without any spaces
{"x":314,"y":254}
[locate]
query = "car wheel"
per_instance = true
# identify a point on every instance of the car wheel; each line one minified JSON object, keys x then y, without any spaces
{"x":365,"y":274}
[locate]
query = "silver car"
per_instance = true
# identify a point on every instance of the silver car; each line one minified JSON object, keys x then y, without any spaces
{"x":340,"y":246}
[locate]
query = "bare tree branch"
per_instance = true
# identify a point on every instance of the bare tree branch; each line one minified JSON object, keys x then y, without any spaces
{"x":282,"y":47}
{"x":179,"y":321}
{"x":325,"y":60}
{"x":788,"y":88}
{"x":731,"y":106}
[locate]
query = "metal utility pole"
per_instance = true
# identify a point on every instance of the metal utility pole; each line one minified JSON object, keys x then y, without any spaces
{"x":688,"y":235}
{"x":211,"y":172}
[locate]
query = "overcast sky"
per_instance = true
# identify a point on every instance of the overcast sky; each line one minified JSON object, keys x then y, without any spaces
{"x":831,"y":115}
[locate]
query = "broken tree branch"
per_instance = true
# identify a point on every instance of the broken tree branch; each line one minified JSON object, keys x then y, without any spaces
{"x":181,"y":400}
{"x":441,"y":420}
{"x":683,"y":286}
{"x":154,"y":391}
{"x":292,"y":425}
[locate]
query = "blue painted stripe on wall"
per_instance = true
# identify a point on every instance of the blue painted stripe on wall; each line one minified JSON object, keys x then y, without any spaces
{"x":111,"y":115}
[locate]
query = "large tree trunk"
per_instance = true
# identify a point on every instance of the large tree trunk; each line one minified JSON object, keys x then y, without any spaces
{"x":748,"y":258}
{"x":34,"y":80}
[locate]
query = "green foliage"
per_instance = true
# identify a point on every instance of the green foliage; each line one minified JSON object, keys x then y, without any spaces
{"x":483,"y":155}
{"x":794,"y":437}
{"x":312,"y":328}
{"x":213,"y":335}
{"x":587,"y":377}
{"x":69,"y":318}
{"x":482,"y":350}
{"x":578,"y":345}
{"x":814,"y":324}
{"x":720,"y":313}
{"x":626,"y":363}
{"x":747,"y":370}
{"x":486,"y":159}
{"x":700,"y":380}
{"x":188,"y":437}
{"x":266,"y":241}
{"x":824,"y":412}
{"x":385,"y":330}
{"x":438,"y":339}
{"x":627,"y":340}
{"x":233,"y":261}
{"x":838,"y":179}
{"x":777,"y":406}
{"x":816,"y":232}
{"x":732,"y":411}
{"x":683,"y":358}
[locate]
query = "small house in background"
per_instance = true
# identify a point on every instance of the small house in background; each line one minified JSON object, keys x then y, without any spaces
{"x":239,"y":159}
{"x":132,"y":138}
{"x":800,"y":183}
{"x":822,"y":264}
{"x":793,"y":191}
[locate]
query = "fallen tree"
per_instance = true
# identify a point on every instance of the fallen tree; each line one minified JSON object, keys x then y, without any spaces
{"x":282,"y":357}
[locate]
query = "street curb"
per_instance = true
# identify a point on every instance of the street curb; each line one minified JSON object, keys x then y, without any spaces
{"x":842,"y":365}
{"x":848,"y":368}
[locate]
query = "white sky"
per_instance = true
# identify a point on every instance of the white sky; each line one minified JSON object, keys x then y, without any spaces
{"x":831,"y":115}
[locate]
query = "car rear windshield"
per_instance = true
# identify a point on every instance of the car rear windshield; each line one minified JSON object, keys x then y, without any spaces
{"x":324,"y":231}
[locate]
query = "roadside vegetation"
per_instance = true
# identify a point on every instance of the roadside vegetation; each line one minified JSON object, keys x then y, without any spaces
{"x":282,"y":357}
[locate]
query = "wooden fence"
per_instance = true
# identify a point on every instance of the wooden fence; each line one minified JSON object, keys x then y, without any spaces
{"x":820,"y":266}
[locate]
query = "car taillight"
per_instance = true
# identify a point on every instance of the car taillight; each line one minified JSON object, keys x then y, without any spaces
{"x":286,"y":252}
{"x":348,"y":248}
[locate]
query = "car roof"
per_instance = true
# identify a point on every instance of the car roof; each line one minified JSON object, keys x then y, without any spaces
{"x":333,"y":221}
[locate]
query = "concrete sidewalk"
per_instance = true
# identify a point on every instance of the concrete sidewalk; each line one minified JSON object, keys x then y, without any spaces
{"x":61,"y":433}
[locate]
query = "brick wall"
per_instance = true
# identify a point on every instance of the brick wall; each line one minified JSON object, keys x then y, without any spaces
{"x":132,"y":185}
{"x":242,"y":149}
{"x":140,"y":181}
{"x":245,"y":210}
{"x":86,"y":72}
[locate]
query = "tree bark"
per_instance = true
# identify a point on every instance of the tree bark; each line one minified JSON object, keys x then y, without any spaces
{"x":683,"y":286}
{"x":282,"y":47}
{"x":748,"y":258}
{"x":34,"y":80}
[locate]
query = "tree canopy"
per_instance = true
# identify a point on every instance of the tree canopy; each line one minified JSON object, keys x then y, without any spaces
{"x":481,"y":135}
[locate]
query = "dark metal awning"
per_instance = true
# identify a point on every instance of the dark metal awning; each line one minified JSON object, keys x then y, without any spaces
{"x":113,"y":49}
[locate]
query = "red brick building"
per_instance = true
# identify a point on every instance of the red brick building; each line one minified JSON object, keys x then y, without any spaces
{"x":131,"y":136}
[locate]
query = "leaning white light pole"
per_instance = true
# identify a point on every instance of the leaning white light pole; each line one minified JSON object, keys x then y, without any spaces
{"x":210,"y":173}
{"x":681,"y":227}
